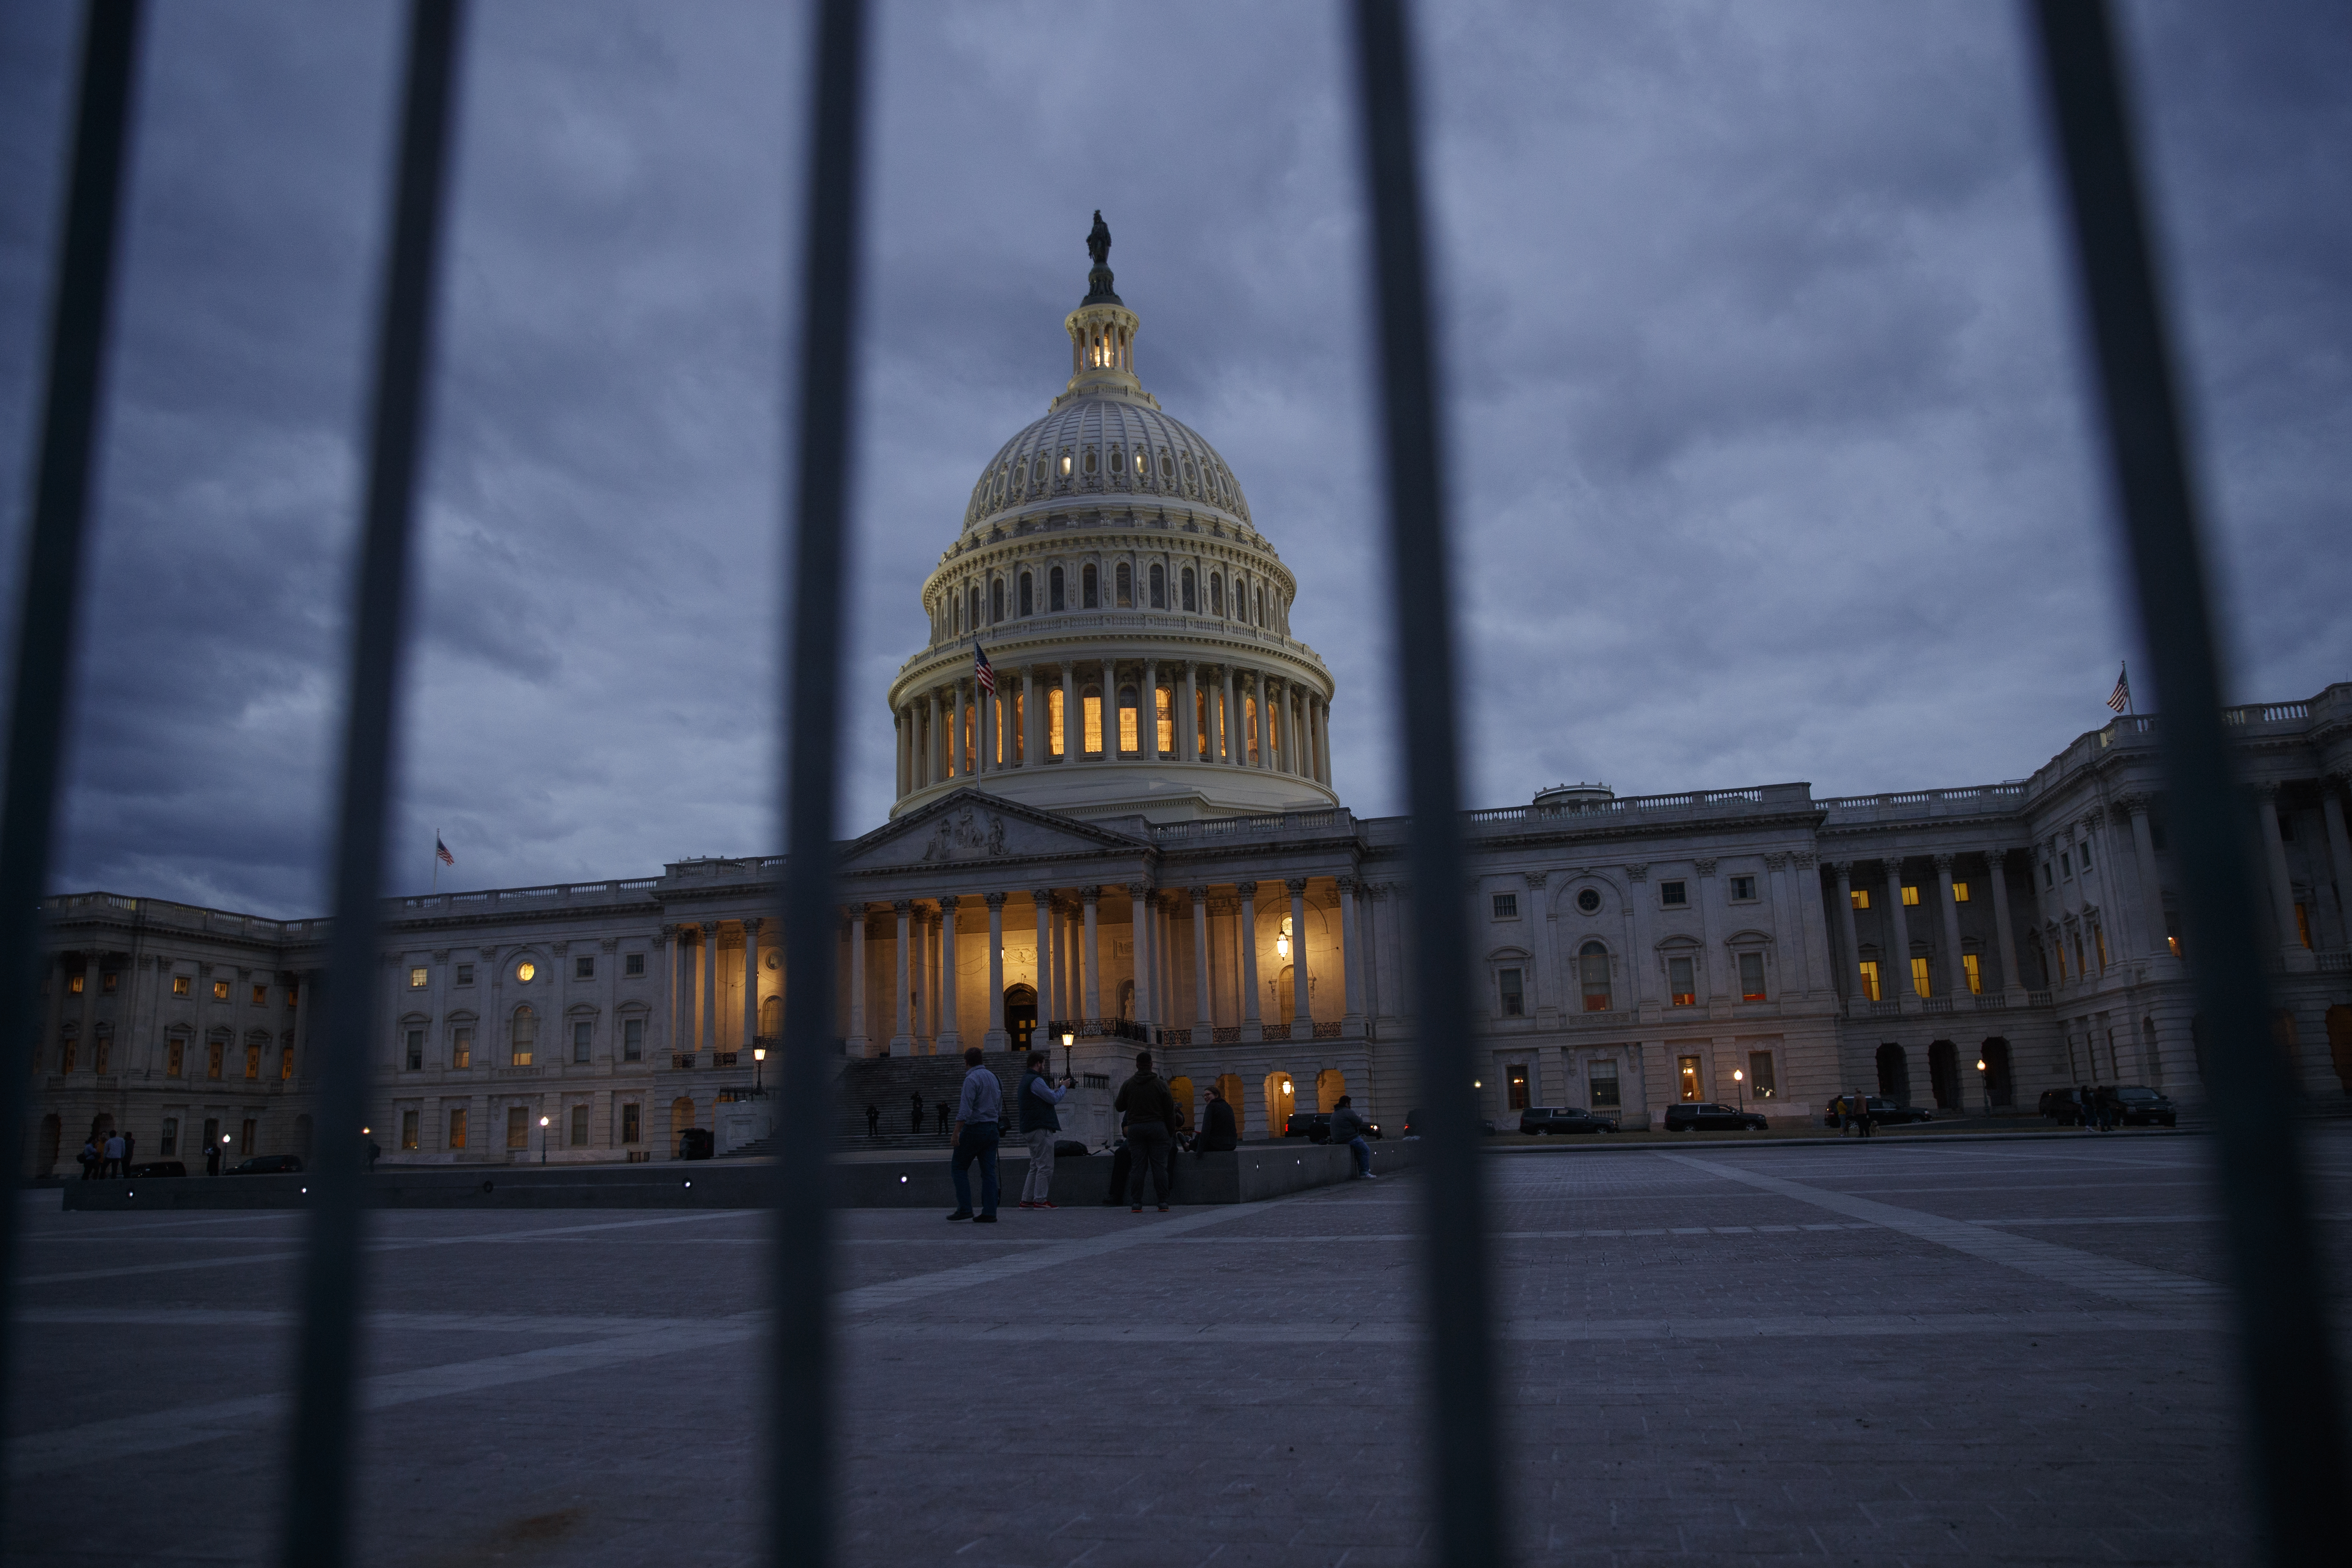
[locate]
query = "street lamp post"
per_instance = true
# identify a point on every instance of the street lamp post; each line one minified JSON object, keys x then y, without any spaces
{"x":1984,"y":1082}
{"x":758,"y":1055}
{"x":542,"y":1140}
{"x":1739,"y":1081}
{"x":1069,"y":1038}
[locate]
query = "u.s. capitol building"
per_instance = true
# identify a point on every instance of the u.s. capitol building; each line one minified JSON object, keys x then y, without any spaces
{"x":1137,"y":835}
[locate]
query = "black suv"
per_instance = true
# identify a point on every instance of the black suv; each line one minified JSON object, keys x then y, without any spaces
{"x":1704,"y":1116}
{"x":1882,"y":1111}
{"x":1564,"y":1119}
{"x":2137,"y":1105}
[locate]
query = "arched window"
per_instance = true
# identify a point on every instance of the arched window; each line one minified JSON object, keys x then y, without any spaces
{"x":973,"y":595}
{"x":526,"y":1035}
{"x":1593,"y":971}
{"x":1159,"y":587}
{"x":1028,"y":596}
{"x":1216,"y":594}
{"x":1261,"y":607}
{"x":1126,"y":586}
{"x":958,"y":619}
{"x":1090,"y":459}
{"x":1090,"y":588}
{"x":1054,"y":598}
{"x":1191,"y":599}
{"x":995,"y":600}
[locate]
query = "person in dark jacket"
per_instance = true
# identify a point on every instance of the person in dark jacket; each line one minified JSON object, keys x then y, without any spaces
{"x":1041,"y":1123}
{"x":1150,"y":1114}
{"x":1218,"y":1132}
{"x":915,"y":1112}
{"x":1349,"y":1128}
{"x":873,"y":1122}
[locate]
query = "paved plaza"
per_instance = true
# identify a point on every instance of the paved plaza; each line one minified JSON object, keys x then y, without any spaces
{"x":1995,"y":1352}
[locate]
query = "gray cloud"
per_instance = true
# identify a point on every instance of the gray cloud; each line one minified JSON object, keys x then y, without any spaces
{"x":1767,"y":451}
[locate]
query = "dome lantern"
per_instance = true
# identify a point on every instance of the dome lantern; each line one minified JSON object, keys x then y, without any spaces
{"x":1102,"y":330}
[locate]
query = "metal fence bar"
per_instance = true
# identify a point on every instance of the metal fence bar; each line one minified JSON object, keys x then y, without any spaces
{"x":800,"y":1403}
{"x":319,"y":1467}
{"x":48,"y":590}
{"x":2298,"y":1449}
{"x":1459,"y":1371}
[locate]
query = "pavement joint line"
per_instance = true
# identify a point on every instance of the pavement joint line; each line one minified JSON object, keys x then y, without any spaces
{"x":277,"y":1317}
{"x":1541,"y":1330}
{"x":374,"y":1247}
{"x":2043,"y":1259}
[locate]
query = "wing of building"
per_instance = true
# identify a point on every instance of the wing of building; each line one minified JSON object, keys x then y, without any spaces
{"x":1127,"y":830}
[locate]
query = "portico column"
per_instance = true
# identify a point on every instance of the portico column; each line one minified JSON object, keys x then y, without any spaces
{"x":2266,"y":817}
{"x":1294,"y":738}
{"x":995,"y":971}
{"x":856,"y":980}
{"x":1894,"y":912}
{"x":1090,"y":900}
{"x":1071,"y":731}
{"x":1265,"y":721}
{"x":305,"y":983}
{"x":750,"y":981}
{"x":1350,"y":958}
{"x":1110,"y":711}
{"x":1852,"y":964}
{"x":1188,"y":719}
{"x":1043,"y":898}
{"x":1302,"y":993}
{"x":1314,"y":741}
{"x":2339,"y":849}
{"x":1229,"y":750}
{"x":932,"y":772}
{"x":86,"y":1040}
{"x":706,"y":1016}
{"x":2151,"y":890}
{"x":902,"y":1037}
{"x":950,"y":1035}
{"x":1139,"y":925}
{"x":1712,"y":959}
{"x":1033,"y":721}
{"x":1323,"y":737}
{"x":955,"y":768}
{"x":1251,"y":1029}
{"x":1955,"y":976}
{"x":668,"y":1013}
{"x":1204,"y":1020}
{"x":2012,"y":979}
{"x":1147,"y":712}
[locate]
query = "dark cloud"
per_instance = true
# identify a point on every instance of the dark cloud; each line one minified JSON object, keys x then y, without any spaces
{"x":1768,"y":452}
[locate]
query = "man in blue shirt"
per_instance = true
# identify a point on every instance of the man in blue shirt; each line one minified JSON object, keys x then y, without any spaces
{"x":1043,"y":1124}
{"x":978,"y":1122}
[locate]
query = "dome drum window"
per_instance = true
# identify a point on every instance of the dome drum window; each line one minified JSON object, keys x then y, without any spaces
{"x":996,"y":601}
{"x":1028,"y":596}
{"x":1191,"y":598}
{"x":1090,"y":588}
{"x":1090,"y":459}
{"x":1126,"y":586}
{"x":1054,"y":600}
{"x":1158,"y":588}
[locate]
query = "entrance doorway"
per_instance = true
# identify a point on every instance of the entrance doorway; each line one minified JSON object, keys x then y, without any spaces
{"x":1686,"y":1078}
{"x":1944,"y":1074}
{"x":1997,"y":1077}
{"x":1281,"y":1099}
{"x":1894,"y":1074}
{"x":1020,"y":1016}
{"x":1179,"y":1089}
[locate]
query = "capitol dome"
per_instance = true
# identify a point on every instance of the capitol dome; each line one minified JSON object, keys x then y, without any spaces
{"x":1109,"y":567}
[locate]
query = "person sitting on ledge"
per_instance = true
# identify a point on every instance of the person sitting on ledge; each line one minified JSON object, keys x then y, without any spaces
{"x":1349,"y":1128}
{"x":1217,"y":1132}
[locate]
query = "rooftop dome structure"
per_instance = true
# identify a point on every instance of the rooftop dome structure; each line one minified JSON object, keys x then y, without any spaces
{"x":1135,"y":621}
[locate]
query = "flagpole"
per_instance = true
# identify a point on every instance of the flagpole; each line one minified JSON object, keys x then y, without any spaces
{"x":2130,"y":707}
{"x":436,"y":859}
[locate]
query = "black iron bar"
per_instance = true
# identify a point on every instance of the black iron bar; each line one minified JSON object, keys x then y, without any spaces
{"x":324,"y":1437}
{"x":2297,"y":1450}
{"x":1459,"y":1371}
{"x":48,"y":590}
{"x":800,"y":1403}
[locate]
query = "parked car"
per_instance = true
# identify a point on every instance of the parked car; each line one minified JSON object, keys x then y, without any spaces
{"x":1315,"y":1126}
{"x":2059,"y":1105}
{"x":266,"y":1166}
{"x":2137,"y":1105}
{"x":695,"y":1144}
{"x":1882,"y":1111}
{"x":1704,"y":1116}
{"x":150,"y":1169}
{"x":1564,"y":1119}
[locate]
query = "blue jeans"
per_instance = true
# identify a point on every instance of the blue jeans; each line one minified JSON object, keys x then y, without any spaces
{"x":978,"y":1143}
{"x":1363,"y":1152}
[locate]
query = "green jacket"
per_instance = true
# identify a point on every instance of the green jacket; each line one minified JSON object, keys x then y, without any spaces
{"x":1144,"y":1099}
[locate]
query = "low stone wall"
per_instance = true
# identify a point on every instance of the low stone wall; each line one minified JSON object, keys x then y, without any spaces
{"x":1249,"y":1175}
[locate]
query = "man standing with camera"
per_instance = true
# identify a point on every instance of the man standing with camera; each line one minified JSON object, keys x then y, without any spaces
{"x":1042,"y":1124}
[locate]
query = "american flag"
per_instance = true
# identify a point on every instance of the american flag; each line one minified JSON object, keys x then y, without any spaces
{"x":2120,"y":698}
{"x":982,"y":672}
{"x":442,"y":851}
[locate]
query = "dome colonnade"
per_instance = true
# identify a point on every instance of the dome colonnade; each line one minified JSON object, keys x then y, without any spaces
{"x":1136,"y":621}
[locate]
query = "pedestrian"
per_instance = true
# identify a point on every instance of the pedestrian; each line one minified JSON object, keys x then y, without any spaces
{"x":113,"y":1149}
{"x":979,"y":1124}
{"x":211,"y":1158}
{"x":90,"y":1158}
{"x":1041,"y":1123}
{"x":374,"y":1151}
{"x":130,"y":1152}
{"x":873,"y":1120}
{"x":915,"y":1112}
{"x":1863,"y":1118}
{"x":1152,"y":1121}
{"x":1347,"y":1129}
{"x":2083,"y":1105}
{"x":1217,"y":1131}
{"x":945,"y":1108}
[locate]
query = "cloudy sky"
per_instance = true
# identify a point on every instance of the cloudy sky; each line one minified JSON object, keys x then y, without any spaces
{"x":1767,"y":456}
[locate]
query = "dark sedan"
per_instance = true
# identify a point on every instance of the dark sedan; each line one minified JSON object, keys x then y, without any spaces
{"x":2137,"y":1105}
{"x":1704,"y":1116}
{"x":157,"y":1168}
{"x":1882,"y":1111}
{"x":268,"y":1165}
{"x":1564,"y":1119}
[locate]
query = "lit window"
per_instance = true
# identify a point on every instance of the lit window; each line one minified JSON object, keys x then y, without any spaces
{"x":1515,"y":1002}
{"x":525,"y":970}
{"x":464,"y":975}
{"x":2302,"y":928}
{"x":1751,"y":977}
{"x":1091,"y":720}
{"x":1128,"y":738}
{"x":220,"y":990}
{"x":1506,"y":906}
{"x":1959,"y":892}
{"x":1673,"y":893}
{"x":415,"y":1049}
{"x":1680,"y":984}
{"x":2099,"y":936}
{"x":461,"y":1050}
{"x":286,"y":1064}
{"x":1910,"y":898}
{"x":1065,"y":465}
{"x":408,"y":1128}
{"x":1517,"y":1078}
{"x":632,"y":963}
{"x":293,"y":994}
{"x":631,"y":1127}
{"x":526,"y":1036}
{"x":1743,"y":889}
{"x":1919,"y":977}
{"x":584,"y":968}
{"x":1593,"y":966}
{"x":1869,"y":968}
{"x":76,"y":983}
{"x":1859,"y":898}
{"x":1973,"y":966}
{"x":109,"y":981}
{"x":417,"y":978}
{"x":457,"y":1128}
{"x":179,"y":986}
{"x":1686,"y":1077}
{"x":1054,"y":721}
{"x":1762,"y":1081}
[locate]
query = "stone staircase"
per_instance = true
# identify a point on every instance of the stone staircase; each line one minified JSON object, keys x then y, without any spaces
{"x":888,"y":1083}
